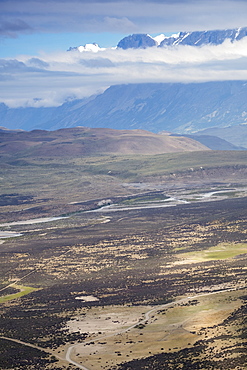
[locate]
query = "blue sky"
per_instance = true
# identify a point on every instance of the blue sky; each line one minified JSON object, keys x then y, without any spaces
{"x":36,"y":69}
{"x":36,"y":43}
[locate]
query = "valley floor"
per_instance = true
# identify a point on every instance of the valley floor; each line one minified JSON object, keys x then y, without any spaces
{"x":153,"y":277}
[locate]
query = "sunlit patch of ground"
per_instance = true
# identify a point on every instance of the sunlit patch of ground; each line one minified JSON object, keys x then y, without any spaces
{"x":168,"y":329}
{"x":218,"y":252}
{"x":106,"y":320}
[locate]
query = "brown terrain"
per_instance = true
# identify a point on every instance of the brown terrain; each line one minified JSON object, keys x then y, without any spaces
{"x":89,"y":141}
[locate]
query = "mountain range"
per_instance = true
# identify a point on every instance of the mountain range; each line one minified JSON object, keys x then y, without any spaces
{"x":180,"y":108}
{"x":195,"y":38}
{"x":174,"y":107}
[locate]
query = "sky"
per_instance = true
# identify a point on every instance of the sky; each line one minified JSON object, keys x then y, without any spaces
{"x":37,"y":70}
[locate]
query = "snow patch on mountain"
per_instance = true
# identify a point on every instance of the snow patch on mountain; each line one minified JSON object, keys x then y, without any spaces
{"x":159,"y":38}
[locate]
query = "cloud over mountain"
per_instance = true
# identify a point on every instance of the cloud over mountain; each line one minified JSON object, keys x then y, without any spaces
{"x":50,"y":79}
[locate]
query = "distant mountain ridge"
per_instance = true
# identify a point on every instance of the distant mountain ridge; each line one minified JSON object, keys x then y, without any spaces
{"x":195,"y":38}
{"x":215,"y":142}
{"x":236,"y":134}
{"x":174,"y":107}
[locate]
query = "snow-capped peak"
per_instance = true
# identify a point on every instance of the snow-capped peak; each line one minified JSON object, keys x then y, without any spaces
{"x":175,"y":35}
{"x":159,"y":38}
{"x":194,"y":38}
{"x":88,"y":47}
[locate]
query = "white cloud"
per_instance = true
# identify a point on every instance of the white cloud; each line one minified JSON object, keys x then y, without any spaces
{"x":122,"y":16}
{"x":49,"y":79}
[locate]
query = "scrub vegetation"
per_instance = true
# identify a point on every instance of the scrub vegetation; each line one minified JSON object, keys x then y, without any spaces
{"x":124,"y":286}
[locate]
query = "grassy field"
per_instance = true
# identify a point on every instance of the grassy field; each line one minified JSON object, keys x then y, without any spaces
{"x":130,"y":167}
{"x":41,"y":187}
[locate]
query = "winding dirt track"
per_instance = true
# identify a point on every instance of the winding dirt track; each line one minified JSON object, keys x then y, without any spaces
{"x":146,"y":318}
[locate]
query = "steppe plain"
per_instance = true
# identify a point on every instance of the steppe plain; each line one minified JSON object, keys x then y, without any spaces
{"x":124,"y":262}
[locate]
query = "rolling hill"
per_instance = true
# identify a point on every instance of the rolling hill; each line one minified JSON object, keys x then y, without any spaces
{"x":82,"y":141}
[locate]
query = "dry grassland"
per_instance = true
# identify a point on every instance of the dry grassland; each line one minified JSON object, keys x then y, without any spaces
{"x":169,"y":329}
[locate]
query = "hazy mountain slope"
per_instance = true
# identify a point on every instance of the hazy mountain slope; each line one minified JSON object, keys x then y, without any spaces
{"x":214,"y":142}
{"x":81,"y":141}
{"x":235,"y":134}
{"x":24,"y":118}
{"x":175,"y":107}
{"x":29,"y":118}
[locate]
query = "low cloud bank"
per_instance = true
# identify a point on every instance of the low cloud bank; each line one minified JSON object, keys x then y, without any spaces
{"x":51,"y":79}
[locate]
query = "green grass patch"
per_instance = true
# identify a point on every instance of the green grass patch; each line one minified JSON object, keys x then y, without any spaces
{"x":23,"y":290}
{"x":46,"y":177}
{"x":219,"y":252}
{"x":150,"y":165}
{"x":224,"y":251}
